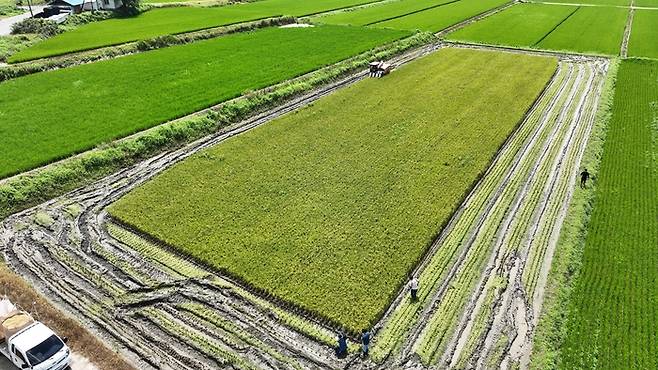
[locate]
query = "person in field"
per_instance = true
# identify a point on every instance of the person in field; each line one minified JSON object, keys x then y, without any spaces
{"x":584,"y":176}
{"x":365,"y":342}
{"x":413,"y":287}
{"x":341,"y":350}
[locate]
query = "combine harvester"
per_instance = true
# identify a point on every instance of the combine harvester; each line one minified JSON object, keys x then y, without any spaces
{"x":380,"y":69}
{"x":29,"y":344}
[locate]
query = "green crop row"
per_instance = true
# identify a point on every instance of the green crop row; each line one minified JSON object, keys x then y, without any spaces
{"x":171,"y":263}
{"x":533,"y":239}
{"x":482,"y":320}
{"x":208,"y":315}
{"x":124,"y":266}
{"x":85,"y":272}
{"x":586,"y":30}
{"x":614,"y":299}
{"x":224,"y":356}
{"x":171,"y":21}
{"x":547,"y":229}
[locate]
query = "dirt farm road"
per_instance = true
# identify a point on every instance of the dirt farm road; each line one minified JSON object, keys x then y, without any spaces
{"x":6,"y":23}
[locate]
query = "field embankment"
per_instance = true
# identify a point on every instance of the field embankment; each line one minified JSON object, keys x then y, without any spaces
{"x":51,"y":115}
{"x":341,"y":197}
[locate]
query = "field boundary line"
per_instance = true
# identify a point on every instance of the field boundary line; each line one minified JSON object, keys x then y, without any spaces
{"x":627,"y":31}
{"x":556,"y":27}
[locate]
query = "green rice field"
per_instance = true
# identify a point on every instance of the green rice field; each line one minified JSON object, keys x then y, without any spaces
{"x":378,"y":13}
{"x":331,"y":206}
{"x":596,"y":2}
{"x":591,"y":30}
{"x":587,"y":30}
{"x":51,"y":115}
{"x":439,"y":18}
{"x":615,"y":301}
{"x":174,"y":20}
{"x":647,"y":3}
{"x":520,"y":25}
{"x":644,"y":34}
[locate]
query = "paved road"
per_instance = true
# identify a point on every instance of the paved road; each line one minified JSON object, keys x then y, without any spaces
{"x":6,"y":23}
{"x":5,"y":364}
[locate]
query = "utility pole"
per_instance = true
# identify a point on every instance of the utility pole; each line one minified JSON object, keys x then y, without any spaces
{"x":29,"y":5}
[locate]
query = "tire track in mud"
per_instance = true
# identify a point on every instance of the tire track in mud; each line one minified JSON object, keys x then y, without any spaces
{"x":64,"y":248}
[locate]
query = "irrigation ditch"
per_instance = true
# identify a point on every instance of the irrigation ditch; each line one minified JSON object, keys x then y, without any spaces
{"x":164,"y":311}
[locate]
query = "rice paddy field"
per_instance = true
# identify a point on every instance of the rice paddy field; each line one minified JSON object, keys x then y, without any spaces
{"x":262,"y":210}
{"x":52,"y":115}
{"x":588,"y":30}
{"x":331,"y":207}
{"x":439,"y":18}
{"x":614,"y":300}
{"x":642,"y":42}
{"x":647,"y":3}
{"x":596,"y":2}
{"x":376,"y":13}
{"x":174,"y":20}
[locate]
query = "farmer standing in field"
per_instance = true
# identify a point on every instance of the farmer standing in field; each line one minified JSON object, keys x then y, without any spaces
{"x":341,"y":351}
{"x":365,"y":342}
{"x":583,"y":178}
{"x":413,"y":285}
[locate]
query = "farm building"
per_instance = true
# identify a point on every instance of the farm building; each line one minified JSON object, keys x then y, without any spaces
{"x":78,"y":6}
{"x":103,"y":4}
